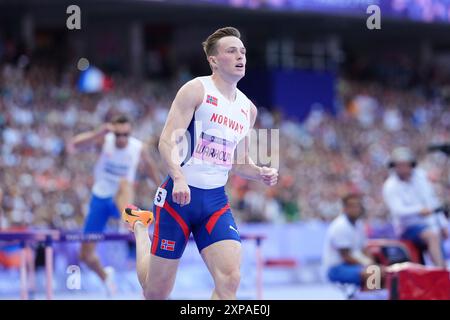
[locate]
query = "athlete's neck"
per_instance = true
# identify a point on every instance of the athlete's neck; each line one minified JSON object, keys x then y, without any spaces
{"x":226,"y":88}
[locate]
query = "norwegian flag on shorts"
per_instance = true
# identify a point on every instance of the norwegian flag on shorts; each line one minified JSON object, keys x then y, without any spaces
{"x":212,"y":100}
{"x":168,"y":245}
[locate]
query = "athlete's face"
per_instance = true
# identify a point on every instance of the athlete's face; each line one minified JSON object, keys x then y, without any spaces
{"x":230,"y":57}
{"x":122,"y":132}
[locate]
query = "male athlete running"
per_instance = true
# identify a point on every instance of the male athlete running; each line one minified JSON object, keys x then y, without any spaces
{"x":216,"y":116}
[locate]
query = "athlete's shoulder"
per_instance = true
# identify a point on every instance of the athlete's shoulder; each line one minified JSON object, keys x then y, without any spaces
{"x":136,"y":142}
{"x":203,"y":80}
{"x":191,"y":91}
{"x":109,"y":138}
{"x":107,"y":144}
{"x":194,"y":84}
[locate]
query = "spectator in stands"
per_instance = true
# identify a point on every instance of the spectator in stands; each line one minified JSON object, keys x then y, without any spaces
{"x":40,"y":109}
{"x":345,"y":259}
{"x":414,"y":205}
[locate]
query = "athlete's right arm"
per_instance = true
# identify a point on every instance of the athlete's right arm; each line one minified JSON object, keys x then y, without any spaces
{"x":94,"y":137}
{"x":180,"y":115}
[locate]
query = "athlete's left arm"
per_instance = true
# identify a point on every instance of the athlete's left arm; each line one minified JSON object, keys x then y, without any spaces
{"x":245,"y":166}
{"x":150,"y":164}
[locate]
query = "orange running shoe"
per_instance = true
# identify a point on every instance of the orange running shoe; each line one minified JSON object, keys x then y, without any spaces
{"x":131,"y":214}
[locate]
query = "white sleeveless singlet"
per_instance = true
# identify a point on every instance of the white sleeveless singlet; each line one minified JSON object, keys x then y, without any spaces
{"x":115,"y":164}
{"x":216,"y":128}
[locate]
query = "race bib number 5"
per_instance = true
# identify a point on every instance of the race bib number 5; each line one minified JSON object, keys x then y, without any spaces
{"x":160,"y":197}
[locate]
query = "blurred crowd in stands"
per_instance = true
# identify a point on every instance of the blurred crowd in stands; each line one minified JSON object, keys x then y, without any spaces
{"x":321,"y":159}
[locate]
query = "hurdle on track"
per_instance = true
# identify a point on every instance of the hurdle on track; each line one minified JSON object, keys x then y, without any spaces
{"x":48,"y":237}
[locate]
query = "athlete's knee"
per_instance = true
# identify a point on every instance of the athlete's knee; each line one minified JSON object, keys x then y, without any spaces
{"x":158,"y":288}
{"x":228,"y":280}
{"x":153,"y":292}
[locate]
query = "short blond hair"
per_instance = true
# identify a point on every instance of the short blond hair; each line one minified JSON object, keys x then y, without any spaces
{"x":210,"y":44}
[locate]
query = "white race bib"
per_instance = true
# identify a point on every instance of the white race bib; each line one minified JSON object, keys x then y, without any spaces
{"x":160,"y":197}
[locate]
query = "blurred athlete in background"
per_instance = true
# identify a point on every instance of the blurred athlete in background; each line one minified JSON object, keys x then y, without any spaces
{"x":114,"y":174}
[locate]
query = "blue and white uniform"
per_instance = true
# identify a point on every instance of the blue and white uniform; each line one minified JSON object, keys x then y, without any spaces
{"x":216,"y":128}
{"x":113,"y":165}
